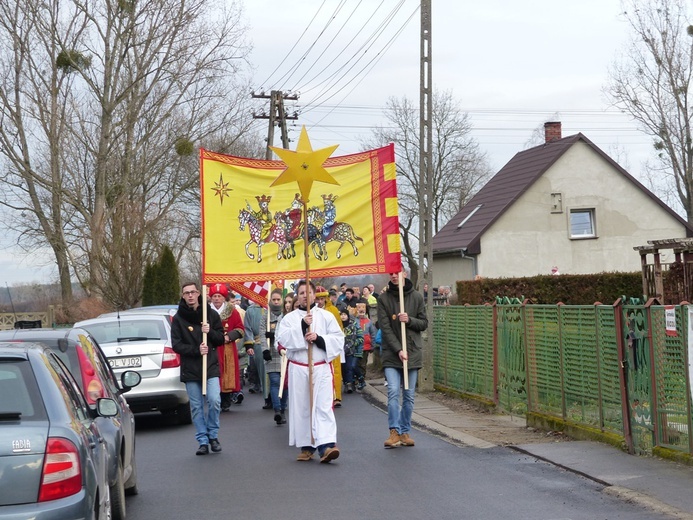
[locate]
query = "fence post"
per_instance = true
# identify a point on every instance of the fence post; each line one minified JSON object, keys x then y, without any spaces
{"x":51,"y":316}
{"x":528,"y":377}
{"x":598,"y":351}
{"x":653,"y":370}
{"x":496,"y":399}
{"x":622,"y":374}
{"x":564,"y":412}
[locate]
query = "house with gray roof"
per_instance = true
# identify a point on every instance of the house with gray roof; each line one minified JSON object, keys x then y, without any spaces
{"x":564,"y":207}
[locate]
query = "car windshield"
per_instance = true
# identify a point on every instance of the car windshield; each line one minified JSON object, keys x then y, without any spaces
{"x":118,"y":331}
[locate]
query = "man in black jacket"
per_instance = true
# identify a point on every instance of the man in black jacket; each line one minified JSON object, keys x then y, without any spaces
{"x":187,"y":328}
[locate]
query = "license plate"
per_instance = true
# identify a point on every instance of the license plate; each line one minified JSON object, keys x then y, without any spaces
{"x":125,"y":362}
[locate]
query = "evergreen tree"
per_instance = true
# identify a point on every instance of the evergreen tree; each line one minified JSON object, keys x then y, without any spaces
{"x":149,"y":284}
{"x":167,"y":279}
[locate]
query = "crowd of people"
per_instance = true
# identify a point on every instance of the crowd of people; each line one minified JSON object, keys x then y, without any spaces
{"x":338,"y":331}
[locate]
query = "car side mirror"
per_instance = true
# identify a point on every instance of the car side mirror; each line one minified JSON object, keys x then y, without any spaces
{"x":106,"y":407}
{"x":129,"y":379}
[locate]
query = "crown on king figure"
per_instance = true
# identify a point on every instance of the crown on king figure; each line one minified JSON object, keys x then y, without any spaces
{"x":264,"y":198}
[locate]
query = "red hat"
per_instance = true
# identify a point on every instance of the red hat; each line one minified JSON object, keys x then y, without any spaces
{"x":321,"y":292}
{"x":218,"y":288}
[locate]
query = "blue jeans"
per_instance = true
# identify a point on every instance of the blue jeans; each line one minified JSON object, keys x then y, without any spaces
{"x":399,"y":417}
{"x":348,"y":369}
{"x":206,"y":426}
{"x":321,"y":449}
{"x":277,"y":404}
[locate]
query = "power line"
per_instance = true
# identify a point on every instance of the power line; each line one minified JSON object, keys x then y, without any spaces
{"x":295,"y":44}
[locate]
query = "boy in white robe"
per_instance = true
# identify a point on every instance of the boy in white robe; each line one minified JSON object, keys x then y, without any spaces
{"x":317,"y":329}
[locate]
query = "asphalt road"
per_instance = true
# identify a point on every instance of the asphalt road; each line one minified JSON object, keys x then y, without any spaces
{"x":256,"y":477}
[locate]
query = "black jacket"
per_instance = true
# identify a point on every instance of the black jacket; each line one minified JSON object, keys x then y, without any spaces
{"x":186,"y":335}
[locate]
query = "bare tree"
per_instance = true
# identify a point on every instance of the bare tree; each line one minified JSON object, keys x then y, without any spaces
{"x":101,"y":107}
{"x":459,"y":167}
{"x":652,"y":83}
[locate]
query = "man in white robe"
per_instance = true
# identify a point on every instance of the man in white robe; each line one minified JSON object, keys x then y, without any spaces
{"x":317,"y":329}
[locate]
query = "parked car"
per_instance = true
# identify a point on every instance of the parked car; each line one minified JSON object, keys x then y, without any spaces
{"x":88,"y":365}
{"x":53,"y":457}
{"x":142,"y":342}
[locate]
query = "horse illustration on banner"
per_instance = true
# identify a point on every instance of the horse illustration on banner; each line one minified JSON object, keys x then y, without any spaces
{"x":286,"y":228}
{"x":263,"y":230}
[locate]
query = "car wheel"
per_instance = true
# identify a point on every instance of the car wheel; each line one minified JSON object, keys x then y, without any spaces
{"x":184,"y":414}
{"x":117,"y":493}
{"x":131,"y":484}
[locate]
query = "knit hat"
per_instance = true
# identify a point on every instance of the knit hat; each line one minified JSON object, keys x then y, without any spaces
{"x":218,"y":288}
{"x":321,"y":292}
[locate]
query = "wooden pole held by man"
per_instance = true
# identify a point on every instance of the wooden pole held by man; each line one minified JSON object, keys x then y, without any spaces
{"x":403,"y":329}
{"x":204,"y":339}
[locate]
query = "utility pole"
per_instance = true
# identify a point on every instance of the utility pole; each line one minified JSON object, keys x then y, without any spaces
{"x":277,"y":117}
{"x":426,"y":190}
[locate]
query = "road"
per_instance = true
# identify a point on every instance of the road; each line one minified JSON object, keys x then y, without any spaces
{"x":257,"y":477}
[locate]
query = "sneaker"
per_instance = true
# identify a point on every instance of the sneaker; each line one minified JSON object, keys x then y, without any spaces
{"x":283,"y":418}
{"x":329,"y":455}
{"x":393,"y":440}
{"x":304,"y":456}
{"x":202,"y":450}
{"x":277,"y":417}
{"x":267,"y":406}
{"x":215,"y":445}
{"x":239,"y":398}
{"x":350,"y":388}
{"x":385,"y":383}
{"x":337,"y":403}
{"x":225,"y":408}
{"x":405,"y":440}
{"x":361,"y":385}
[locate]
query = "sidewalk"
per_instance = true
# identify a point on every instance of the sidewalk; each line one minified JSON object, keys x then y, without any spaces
{"x":663,"y":486}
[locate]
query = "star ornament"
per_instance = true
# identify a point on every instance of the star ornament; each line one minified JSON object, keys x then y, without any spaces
{"x":221,"y":189}
{"x":304,"y":166}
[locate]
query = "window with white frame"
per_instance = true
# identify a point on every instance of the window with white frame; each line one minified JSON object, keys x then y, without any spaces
{"x":582,"y":223}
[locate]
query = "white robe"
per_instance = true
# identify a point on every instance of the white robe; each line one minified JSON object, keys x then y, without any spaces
{"x":289,"y":335}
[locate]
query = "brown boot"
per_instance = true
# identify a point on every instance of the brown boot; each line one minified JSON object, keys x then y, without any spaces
{"x":304,"y":456}
{"x":394,"y":440}
{"x":405,"y":440}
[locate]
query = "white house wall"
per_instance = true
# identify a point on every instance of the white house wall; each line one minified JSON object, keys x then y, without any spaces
{"x":528,"y":239}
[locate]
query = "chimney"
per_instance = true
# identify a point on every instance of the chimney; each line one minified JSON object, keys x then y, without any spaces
{"x":552,"y":131}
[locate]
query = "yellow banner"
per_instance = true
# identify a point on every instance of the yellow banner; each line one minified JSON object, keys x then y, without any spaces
{"x":253,"y":232}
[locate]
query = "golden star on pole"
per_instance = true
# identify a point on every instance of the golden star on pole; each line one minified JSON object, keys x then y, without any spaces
{"x":305,"y":165}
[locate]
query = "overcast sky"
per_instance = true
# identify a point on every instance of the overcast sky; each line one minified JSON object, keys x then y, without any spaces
{"x":510,"y":65}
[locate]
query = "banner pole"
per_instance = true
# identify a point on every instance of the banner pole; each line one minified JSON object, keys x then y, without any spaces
{"x":403,"y":329}
{"x":204,"y":339}
{"x":306,"y":257}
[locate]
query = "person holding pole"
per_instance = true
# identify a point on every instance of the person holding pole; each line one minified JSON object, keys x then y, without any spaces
{"x":311,"y":339}
{"x":195,"y":340}
{"x":273,"y":360}
{"x":402,"y":318}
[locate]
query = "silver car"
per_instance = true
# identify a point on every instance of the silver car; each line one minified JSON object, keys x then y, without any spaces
{"x":142,"y":342}
{"x":53,"y":458}
{"x":83,"y":358}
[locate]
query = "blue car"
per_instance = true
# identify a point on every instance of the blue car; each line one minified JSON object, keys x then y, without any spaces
{"x":53,"y":458}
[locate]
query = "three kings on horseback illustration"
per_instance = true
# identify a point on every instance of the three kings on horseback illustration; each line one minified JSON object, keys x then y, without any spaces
{"x":284,"y":228}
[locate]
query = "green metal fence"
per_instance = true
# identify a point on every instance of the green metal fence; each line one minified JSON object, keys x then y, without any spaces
{"x":615,"y":368}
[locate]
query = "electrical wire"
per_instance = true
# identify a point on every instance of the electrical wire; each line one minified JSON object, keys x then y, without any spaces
{"x":295,"y":44}
{"x":292,"y":70}
{"x":360,"y":53}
